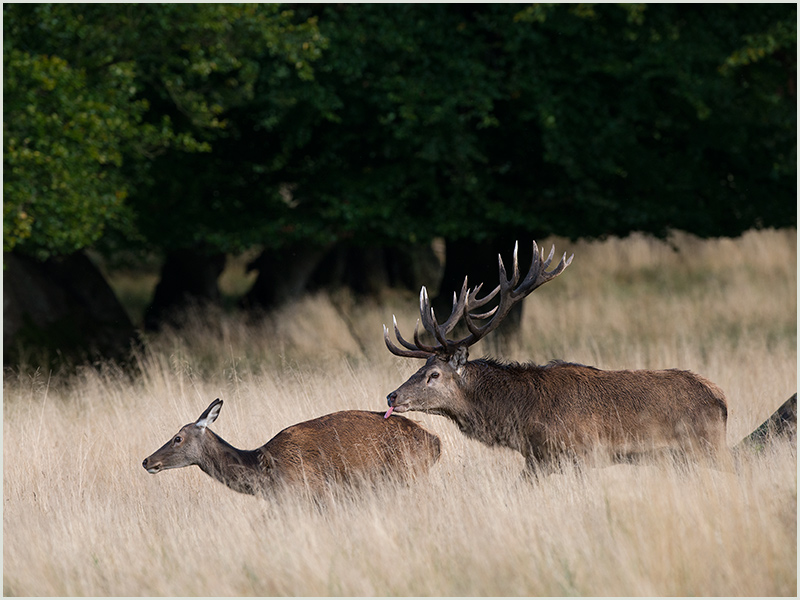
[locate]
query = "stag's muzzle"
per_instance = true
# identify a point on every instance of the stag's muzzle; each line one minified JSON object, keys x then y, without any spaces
{"x":391,"y":400}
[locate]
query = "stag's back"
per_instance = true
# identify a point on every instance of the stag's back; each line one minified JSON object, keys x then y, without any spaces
{"x":348,"y":447}
{"x":546,"y":411}
{"x":627,"y":409}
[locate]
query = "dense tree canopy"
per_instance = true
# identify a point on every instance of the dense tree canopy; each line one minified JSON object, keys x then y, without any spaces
{"x":475,"y":121}
{"x":97,"y":95}
{"x":224,"y":126}
{"x":340,"y":138}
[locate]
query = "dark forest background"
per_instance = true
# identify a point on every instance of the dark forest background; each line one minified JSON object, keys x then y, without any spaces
{"x":334,"y":143}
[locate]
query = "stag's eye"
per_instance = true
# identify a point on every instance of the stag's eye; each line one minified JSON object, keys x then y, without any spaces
{"x":434,"y":375}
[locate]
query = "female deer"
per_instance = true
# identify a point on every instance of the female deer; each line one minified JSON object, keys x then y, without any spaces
{"x":344,"y":447}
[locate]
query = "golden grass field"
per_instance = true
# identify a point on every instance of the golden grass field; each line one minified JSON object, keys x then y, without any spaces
{"x":82,"y":517}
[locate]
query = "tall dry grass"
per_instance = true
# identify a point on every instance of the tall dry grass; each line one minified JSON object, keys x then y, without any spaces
{"x":81,"y":516}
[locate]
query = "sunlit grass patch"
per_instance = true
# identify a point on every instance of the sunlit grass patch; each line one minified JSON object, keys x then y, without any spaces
{"x":82,"y":517}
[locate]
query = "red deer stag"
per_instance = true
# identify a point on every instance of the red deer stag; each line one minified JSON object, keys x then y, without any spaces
{"x":344,"y":447}
{"x":557,"y":410}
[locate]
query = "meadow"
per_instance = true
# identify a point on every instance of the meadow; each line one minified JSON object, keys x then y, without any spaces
{"x":82,"y":517}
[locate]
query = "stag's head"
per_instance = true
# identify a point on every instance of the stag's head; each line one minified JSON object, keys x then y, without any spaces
{"x":436,"y":387}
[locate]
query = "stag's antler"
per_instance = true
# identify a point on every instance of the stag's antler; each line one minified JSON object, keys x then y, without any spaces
{"x":467,"y":302}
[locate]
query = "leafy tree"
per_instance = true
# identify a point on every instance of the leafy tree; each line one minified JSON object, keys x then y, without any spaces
{"x":63,"y":150}
{"x":641,"y":123}
{"x":483,"y":124}
{"x":467,"y":122}
{"x":472,"y":122}
{"x":95,"y":93}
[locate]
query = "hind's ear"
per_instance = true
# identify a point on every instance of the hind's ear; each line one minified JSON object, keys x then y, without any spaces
{"x":459,"y":359}
{"x":209,"y":415}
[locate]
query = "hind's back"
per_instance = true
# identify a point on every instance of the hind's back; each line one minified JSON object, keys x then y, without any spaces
{"x":348,"y":447}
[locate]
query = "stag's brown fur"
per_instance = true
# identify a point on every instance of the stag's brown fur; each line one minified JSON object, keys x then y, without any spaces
{"x":546,"y":412}
{"x":559,"y":409}
{"x":346,"y":447}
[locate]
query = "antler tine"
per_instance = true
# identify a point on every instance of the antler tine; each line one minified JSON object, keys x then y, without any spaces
{"x":474,"y":302}
{"x":536,"y":267}
{"x":506,"y":289}
{"x":464,"y":305}
{"x":510,"y":292}
{"x":400,"y":338}
{"x":418,"y":349}
{"x":505,"y":282}
{"x":397,"y":351}
{"x":420,"y":344}
{"x":562,"y":264}
{"x":458,"y":308}
{"x":485,"y":315}
{"x":429,"y":321}
{"x":515,"y":277}
{"x":538,"y":274}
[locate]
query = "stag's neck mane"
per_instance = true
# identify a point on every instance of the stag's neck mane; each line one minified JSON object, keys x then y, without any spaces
{"x":499,"y":398}
{"x":489,"y":414}
{"x":512,"y":366}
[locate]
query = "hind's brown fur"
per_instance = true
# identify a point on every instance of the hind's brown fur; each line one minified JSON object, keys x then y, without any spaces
{"x":345,"y":447}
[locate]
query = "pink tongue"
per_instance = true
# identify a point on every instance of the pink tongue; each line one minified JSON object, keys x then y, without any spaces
{"x":388,"y":412}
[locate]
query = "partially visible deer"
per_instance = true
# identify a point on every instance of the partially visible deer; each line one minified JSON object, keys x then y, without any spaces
{"x":782,"y":424}
{"x":346,"y":447}
{"x":556,"y":410}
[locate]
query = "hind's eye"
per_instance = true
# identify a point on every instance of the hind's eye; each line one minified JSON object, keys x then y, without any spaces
{"x":178,"y":439}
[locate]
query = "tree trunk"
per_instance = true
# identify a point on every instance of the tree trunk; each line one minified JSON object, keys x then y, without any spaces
{"x":367,"y":271}
{"x":62,"y":307}
{"x":361,"y":269}
{"x":411,"y":267}
{"x":282,"y":275}
{"x":188,"y":275}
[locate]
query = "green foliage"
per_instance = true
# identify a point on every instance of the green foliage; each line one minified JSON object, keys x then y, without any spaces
{"x":584,"y":120}
{"x":95,"y":93}
{"x":63,"y":149}
{"x":221,"y":126}
{"x":618,"y":119}
{"x":779,"y":37}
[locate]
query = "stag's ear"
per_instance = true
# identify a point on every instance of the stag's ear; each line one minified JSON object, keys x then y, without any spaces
{"x":459,"y":359}
{"x":209,"y":415}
